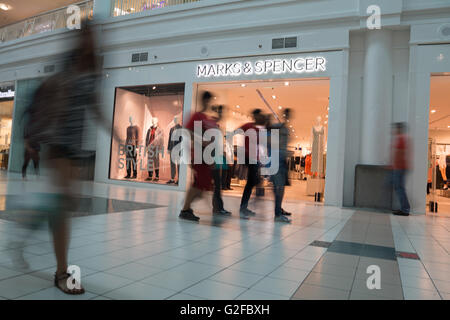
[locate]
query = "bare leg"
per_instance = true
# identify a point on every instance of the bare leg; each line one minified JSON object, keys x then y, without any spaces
{"x":191,"y":195}
{"x":61,"y":223}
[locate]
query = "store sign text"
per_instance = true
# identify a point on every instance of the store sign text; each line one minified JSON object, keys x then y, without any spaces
{"x":7,"y":94}
{"x":272,"y":66}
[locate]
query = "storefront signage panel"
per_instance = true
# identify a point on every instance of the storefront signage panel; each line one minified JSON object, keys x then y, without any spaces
{"x":270,"y":66}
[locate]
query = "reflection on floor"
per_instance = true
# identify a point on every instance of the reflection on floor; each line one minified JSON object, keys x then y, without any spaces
{"x":150,"y":254}
{"x":16,"y":205}
{"x":296,"y":191}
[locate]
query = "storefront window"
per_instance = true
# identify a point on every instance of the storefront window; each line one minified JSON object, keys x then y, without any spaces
{"x":6,"y":112}
{"x":145,"y":117}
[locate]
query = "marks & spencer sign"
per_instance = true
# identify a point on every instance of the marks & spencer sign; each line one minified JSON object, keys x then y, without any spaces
{"x":271,"y":66}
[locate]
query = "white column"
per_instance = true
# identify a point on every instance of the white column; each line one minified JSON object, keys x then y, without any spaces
{"x":377,"y":98}
{"x":102,"y":9}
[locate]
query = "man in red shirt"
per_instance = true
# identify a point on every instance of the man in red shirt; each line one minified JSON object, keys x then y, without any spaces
{"x":202,"y":171}
{"x":400,"y":166}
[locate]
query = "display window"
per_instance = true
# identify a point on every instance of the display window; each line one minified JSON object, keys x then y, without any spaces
{"x":145,"y":118}
{"x":6,"y":113}
{"x":438,"y":169}
{"x":306,"y":158}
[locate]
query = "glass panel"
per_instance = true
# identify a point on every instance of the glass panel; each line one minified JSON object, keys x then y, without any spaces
{"x":144,"y":119}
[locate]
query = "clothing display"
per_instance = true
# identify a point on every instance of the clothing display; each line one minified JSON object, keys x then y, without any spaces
{"x":131,"y":155}
{"x":317,"y":150}
{"x":154,"y":143}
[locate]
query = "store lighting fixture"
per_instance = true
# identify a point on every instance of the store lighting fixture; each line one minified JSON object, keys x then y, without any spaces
{"x":243,"y":85}
{"x":238,"y":106}
{"x":274,"y":97}
{"x":433,"y":111}
{"x":5,"y":7}
{"x":280,"y":107}
{"x":286,"y":83}
{"x":326,"y":122}
{"x":326,"y":116}
{"x":290,"y":126}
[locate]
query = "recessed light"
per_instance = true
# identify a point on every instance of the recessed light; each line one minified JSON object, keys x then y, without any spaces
{"x":280,"y":107}
{"x":286,"y":83}
{"x":326,"y":116}
{"x":290,"y":126}
{"x":433,"y":111}
{"x":238,"y":106}
{"x":154,"y":88}
{"x":274,"y":97}
{"x":5,"y":7}
{"x":243,"y":85}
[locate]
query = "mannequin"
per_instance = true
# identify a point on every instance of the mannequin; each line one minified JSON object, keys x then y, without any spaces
{"x":297,"y":157}
{"x":154,"y":144}
{"x":174,"y":167}
{"x":131,"y":144}
{"x":317,"y":147}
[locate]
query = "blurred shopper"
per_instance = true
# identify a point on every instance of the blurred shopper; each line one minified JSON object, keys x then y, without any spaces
{"x":58,"y":123}
{"x":32,"y":149}
{"x":280,"y":179}
{"x":219,"y":166}
{"x":251,"y":161}
{"x":202,"y":171}
{"x":400,"y":165}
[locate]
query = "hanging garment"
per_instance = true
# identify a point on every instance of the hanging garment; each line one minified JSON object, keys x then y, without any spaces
{"x":308,"y":165}
{"x":317,"y":150}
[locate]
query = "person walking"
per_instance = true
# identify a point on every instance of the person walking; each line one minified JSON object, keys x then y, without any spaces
{"x":58,"y":124}
{"x":32,"y":149}
{"x":279,"y":180}
{"x":202,"y":171}
{"x":400,"y":165}
{"x":251,"y":160}
{"x":219,"y":166}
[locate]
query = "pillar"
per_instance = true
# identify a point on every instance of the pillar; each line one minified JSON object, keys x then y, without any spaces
{"x":377,"y":98}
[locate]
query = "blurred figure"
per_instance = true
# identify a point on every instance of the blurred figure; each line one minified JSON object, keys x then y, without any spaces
{"x":217,"y":201}
{"x":250,"y":151}
{"x":280,"y":179}
{"x":202,"y":171}
{"x":58,"y":123}
{"x":400,"y":166}
{"x":32,"y":149}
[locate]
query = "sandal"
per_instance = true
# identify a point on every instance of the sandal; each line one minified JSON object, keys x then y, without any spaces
{"x":61,"y":284}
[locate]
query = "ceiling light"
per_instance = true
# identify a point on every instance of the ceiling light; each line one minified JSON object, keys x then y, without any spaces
{"x":290,"y":126}
{"x":286,"y":83}
{"x":326,"y":116}
{"x":448,"y":126}
{"x":280,"y":107}
{"x":433,"y":111}
{"x":243,"y":85}
{"x":274,"y":97}
{"x":238,"y":106}
{"x":154,"y":88}
{"x":5,"y":7}
{"x":326,"y":122}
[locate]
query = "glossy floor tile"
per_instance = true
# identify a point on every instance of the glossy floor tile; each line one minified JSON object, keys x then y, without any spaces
{"x":130,"y":244}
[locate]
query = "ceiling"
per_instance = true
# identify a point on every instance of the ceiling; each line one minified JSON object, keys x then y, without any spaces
{"x":307,"y":98}
{"x":440,"y":103}
{"x":23,"y":9}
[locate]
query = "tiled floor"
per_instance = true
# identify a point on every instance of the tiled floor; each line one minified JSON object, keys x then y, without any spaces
{"x":130,"y":244}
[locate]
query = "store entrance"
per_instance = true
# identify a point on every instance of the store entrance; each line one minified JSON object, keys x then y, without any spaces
{"x":438,"y":174}
{"x":309,"y":101}
{"x":7,"y":93}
